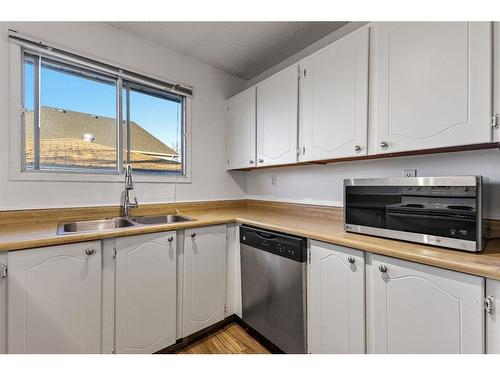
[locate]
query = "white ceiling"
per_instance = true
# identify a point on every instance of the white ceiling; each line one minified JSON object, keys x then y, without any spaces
{"x":244,"y":49}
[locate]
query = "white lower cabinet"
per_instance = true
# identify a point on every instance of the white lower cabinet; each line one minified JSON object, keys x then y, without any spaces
{"x":493,"y":317}
{"x":54,"y":299}
{"x":3,"y":303}
{"x":145,"y":292}
{"x":412,"y":308}
{"x":75,"y":299}
{"x":204,"y":281}
{"x":336,"y":299}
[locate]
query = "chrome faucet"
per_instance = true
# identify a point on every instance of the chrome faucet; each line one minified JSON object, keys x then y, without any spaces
{"x":129,"y":185}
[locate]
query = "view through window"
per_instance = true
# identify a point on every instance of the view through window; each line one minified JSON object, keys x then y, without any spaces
{"x":155,"y":129}
{"x":70,"y":122}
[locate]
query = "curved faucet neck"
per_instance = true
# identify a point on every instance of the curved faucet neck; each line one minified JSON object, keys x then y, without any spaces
{"x":129,"y":185}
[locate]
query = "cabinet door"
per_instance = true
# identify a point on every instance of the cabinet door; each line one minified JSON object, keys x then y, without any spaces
{"x":414,"y":308}
{"x":493,"y":317}
{"x":145,"y":292}
{"x":336,"y":300}
{"x":54,"y":299}
{"x":334,"y":100}
{"x":204,"y":277}
{"x":433,"y":84}
{"x":277,"y":125}
{"x":240,"y":137}
{"x":3,"y":304}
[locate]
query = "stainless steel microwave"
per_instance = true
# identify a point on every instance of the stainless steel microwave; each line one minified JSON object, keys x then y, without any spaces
{"x":441,"y":211}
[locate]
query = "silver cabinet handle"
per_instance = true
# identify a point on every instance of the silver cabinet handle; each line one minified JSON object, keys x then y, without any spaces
{"x":384,"y":144}
{"x":351,"y":260}
{"x":89,"y":251}
{"x":489,"y":304}
{"x":170,"y":239}
{"x":261,"y":160}
{"x":3,"y":270}
{"x":251,"y":161}
{"x":382,"y":268}
{"x":193,"y":235}
{"x":357,"y":148}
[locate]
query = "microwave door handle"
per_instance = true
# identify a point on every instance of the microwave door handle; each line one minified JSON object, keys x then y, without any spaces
{"x":397,"y":214}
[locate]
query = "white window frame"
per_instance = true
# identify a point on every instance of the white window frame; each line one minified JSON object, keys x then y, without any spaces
{"x":17,"y":150}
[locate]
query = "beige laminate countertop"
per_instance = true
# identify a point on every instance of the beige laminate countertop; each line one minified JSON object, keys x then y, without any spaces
{"x":327,"y":229}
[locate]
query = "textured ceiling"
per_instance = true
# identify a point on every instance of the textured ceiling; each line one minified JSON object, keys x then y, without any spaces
{"x":244,"y":49}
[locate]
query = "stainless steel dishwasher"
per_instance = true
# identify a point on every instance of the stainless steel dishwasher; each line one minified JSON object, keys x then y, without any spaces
{"x":273,"y":286}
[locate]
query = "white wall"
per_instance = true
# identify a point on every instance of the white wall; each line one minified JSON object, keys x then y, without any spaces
{"x":211,"y":88}
{"x":322,"y":184}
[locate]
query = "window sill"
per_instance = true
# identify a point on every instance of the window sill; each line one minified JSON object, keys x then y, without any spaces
{"x":96,"y":177}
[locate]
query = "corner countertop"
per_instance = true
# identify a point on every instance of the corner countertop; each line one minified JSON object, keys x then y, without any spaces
{"x":316,"y":227}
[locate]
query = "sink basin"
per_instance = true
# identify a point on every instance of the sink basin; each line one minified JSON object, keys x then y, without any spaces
{"x":94,"y":225}
{"x":119,"y":222}
{"x":161,"y":219}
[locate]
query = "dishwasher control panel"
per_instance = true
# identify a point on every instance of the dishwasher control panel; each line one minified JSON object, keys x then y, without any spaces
{"x":291,"y":247}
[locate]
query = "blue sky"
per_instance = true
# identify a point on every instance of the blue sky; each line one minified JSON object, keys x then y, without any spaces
{"x":61,"y":90}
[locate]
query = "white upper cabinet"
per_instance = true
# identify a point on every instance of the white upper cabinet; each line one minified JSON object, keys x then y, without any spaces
{"x":204,"y":286}
{"x":433,"y":84}
{"x":427,"y":84}
{"x":54,"y":299}
{"x":277,"y":100}
{"x":240,"y":137}
{"x":496,"y":79}
{"x":145,"y":292}
{"x":336,"y":300}
{"x":334,"y":99}
{"x":413,"y":308}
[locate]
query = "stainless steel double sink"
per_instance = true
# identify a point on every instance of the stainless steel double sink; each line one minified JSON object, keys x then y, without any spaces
{"x":119,"y":222}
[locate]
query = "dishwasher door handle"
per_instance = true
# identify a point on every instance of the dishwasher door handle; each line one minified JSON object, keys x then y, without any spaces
{"x":266,"y":236}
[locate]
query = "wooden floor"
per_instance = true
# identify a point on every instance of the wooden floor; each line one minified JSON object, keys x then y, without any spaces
{"x":231,"y":339}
